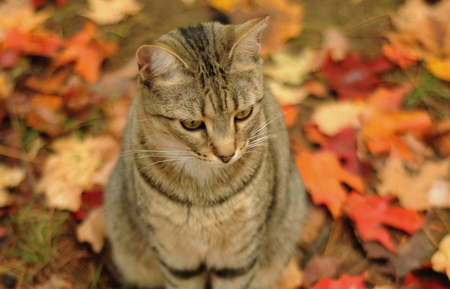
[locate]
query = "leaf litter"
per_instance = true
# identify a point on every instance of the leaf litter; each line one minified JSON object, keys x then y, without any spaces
{"x":373,"y":153}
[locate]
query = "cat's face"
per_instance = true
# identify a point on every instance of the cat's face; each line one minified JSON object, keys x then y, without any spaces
{"x":204,"y":97}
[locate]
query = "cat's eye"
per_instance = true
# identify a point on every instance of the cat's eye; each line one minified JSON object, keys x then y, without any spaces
{"x":192,"y":124}
{"x":244,"y":114}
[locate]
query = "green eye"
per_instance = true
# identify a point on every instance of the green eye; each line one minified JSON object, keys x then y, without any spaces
{"x":192,"y":124}
{"x":244,"y":114}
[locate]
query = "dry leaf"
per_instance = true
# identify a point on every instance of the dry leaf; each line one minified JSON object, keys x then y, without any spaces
{"x":288,"y":68}
{"x":55,"y":282}
{"x":335,"y":45}
{"x":372,"y":214}
{"x":9,"y":178}
{"x":69,"y":172}
{"x":411,"y":188}
{"x":323,"y":177}
{"x":20,"y":15}
{"x":441,"y":259}
{"x":87,"y":51}
{"x":333,"y":117}
{"x":291,"y":278}
{"x":93,"y":230}
{"x":287,"y":95}
{"x":439,"y":194}
{"x":319,"y":267}
{"x":111,"y":11}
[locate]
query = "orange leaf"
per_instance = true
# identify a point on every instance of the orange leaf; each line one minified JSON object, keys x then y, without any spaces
{"x":323,"y":176}
{"x":290,"y":114}
{"x":372,"y":214}
{"x":378,"y":133}
{"x":398,"y":56}
{"x":87,"y":52}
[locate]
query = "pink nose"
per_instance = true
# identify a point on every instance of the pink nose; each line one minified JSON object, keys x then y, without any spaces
{"x":226,"y":159}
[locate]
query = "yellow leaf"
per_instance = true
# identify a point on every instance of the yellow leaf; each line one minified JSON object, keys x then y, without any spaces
{"x":333,"y":117}
{"x":441,"y":259}
{"x":439,"y":67}
{"x":226,"y":6}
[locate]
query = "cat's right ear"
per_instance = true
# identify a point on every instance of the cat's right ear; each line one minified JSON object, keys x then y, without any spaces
{"x":159,"y":63}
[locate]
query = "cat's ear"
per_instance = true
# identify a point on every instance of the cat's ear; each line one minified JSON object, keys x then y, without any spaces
{"x":248,"y":45}
{"x":159,"y":63}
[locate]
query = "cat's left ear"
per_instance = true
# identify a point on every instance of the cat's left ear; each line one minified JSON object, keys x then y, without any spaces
{"x":248,"y":44}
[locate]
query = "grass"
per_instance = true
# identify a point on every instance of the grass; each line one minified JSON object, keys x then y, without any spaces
{"x":34,"y":232}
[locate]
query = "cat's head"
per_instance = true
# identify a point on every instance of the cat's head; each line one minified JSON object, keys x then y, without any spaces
{"x":202,"y":87}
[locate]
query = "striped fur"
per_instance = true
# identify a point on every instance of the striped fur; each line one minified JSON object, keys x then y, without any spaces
{"x":217,"y":207}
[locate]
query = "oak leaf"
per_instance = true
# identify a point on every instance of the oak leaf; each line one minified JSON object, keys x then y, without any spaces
{"x":345,"y":282}
{"x":324,"y":177}
{"x":372,"y":214}
{"x":411,"y":188}
{"x":111,"y":11}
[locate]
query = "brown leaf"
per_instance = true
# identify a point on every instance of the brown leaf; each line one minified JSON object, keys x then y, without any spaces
{"x":411,"y":188}
{"x":50,"y":85}
{"x":319,"y":267}
{"x":291,"y":278}
{"x":93,"y":230}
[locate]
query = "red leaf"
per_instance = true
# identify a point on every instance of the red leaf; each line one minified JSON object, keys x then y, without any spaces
{"x":346,"y":282}
{"x":290,"y":113}
{"x":411,"y":281}
{"x":372,"y":214}
{"x":344,"y":146}
{"x":354,"y":78}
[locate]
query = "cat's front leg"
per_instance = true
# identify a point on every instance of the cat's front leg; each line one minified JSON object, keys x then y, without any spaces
{"x":183,"y":278}
{"x":236,"y":278}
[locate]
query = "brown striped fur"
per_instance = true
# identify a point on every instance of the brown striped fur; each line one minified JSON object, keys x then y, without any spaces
{"x":217,"y":207}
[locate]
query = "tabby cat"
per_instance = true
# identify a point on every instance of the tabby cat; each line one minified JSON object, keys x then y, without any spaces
{"x":205,"y":194}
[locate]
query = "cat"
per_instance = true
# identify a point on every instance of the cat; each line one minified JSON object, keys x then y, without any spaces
{"x":205,"y":193}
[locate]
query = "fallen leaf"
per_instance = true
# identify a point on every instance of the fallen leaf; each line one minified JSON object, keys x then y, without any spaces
{"x":55,"y":282}
{"x":333,"y":117}
{"x":287,"y":95}
{"x":20,"y":15}
{"x":88,"y":53}
{"x":398,"y":56}
{"x":354,"y":77}
{"x":345,"y":282}
{"x":290,"y":114}
{"x":291,"y":278}
{"x":412,"y":281}
{"x":69,"y":172}
{"x":378,"y":134}
{"x":439,"y":67}
{"x":50,"y":85}
{"x":335,"y":45}
{"x":289,"y":68}
{"x":314,"y":135}
{"x":371,"y":214}
{"x":93,"y":230}
{"x":319,"y":267}
{"x":410,"y":254}
{"x":344,"y":146}
{"x":9,"y":178}
{"x":284,"y":24}
{"x":324,"y":178}
{"x":90,"y":199}
{"x":439,"y":194}
{"x":441,"y":259}
{"x":111,"y":11}
{"x":116,"y":114}
{"x":411,"y":188}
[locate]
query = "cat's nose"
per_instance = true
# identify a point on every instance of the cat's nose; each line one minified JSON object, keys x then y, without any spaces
{"x":226,"y":159}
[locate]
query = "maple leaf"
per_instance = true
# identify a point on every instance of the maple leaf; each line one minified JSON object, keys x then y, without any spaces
{"x":353,"y":77}
{"x":345,"y":282}
{"x":411,"y":188}
{"x":87,"y":52}
{"x":35,"y":42}
{"x":93,"y":230}
{"x":372,"y":214}
{"x":378,"y":134}
{"x":111,"y":11}
{"x":21,"y":16}
{"x":398,"y":56}
{"x":323,"y":176}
